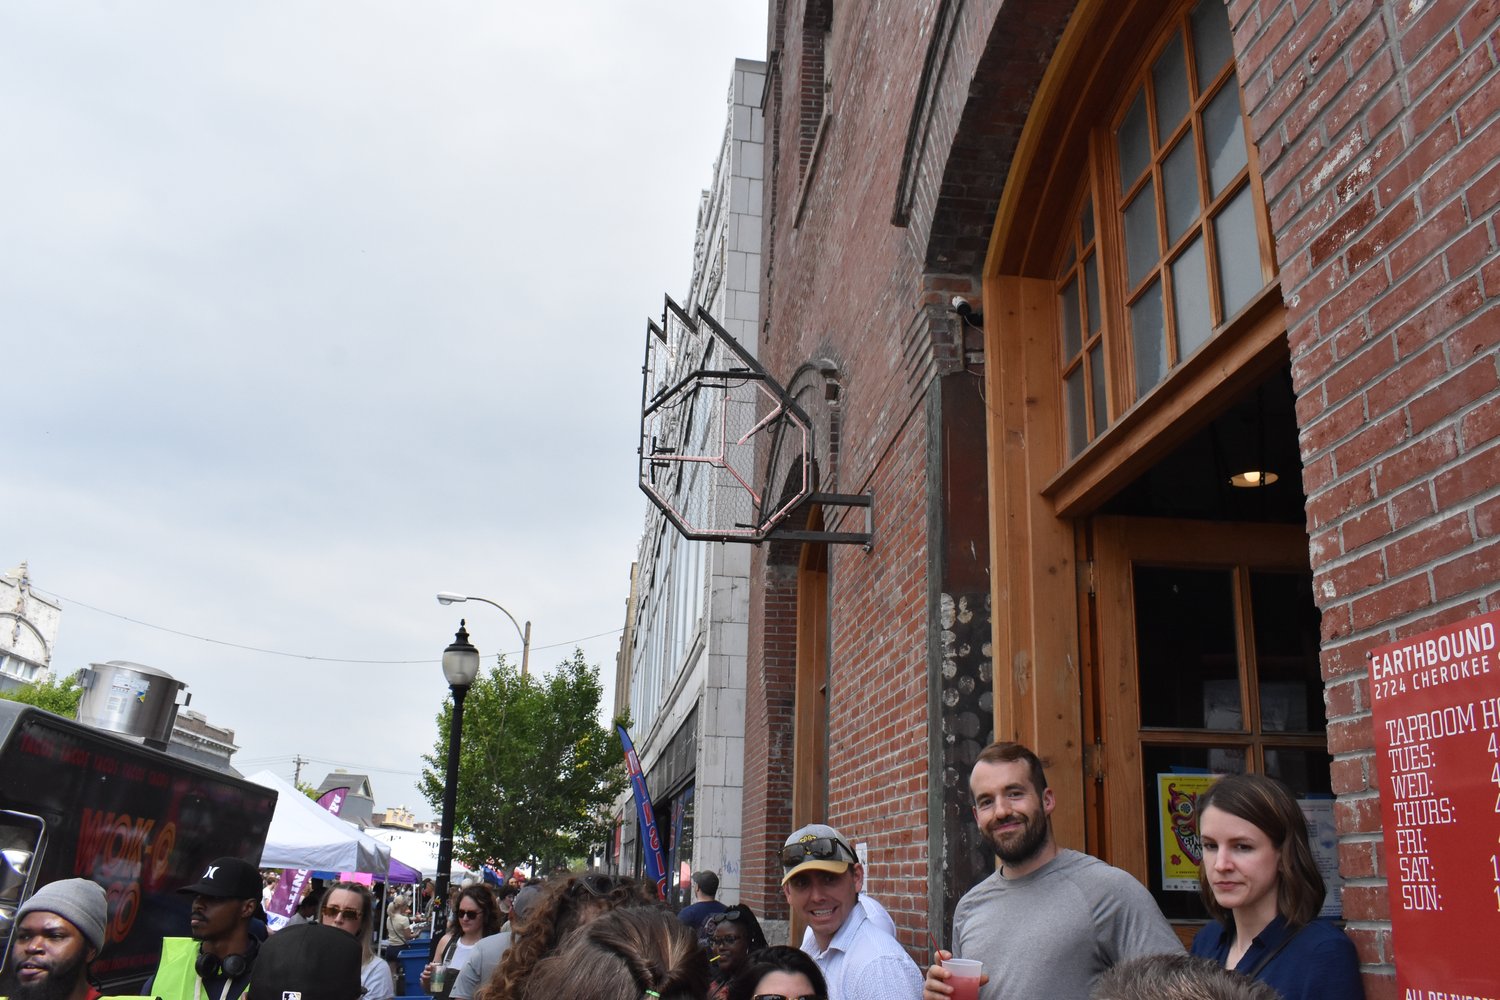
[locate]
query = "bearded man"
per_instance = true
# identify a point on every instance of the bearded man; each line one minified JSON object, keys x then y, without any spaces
{"x":1049,"y":921}
{"x":59,"y":931}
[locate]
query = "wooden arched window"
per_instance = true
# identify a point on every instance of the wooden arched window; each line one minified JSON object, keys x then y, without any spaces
{"x":1180,"y":247}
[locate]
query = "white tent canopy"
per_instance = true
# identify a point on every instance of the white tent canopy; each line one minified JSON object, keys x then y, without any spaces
{"x":305,"y":835}
{"x":419,"y":850}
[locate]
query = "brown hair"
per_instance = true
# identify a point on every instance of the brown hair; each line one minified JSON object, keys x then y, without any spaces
{"x":1177,"y":976}
{"x":565,"y":904}
{"x":1269,"y":805}
{"x":1003,"y":752}
{"x":622,"y":955}
{"x":488,"y":905}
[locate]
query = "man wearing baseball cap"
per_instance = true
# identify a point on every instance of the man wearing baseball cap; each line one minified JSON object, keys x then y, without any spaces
{"x":822,"y":878}
{"x":59,"y":931}
{"x":308,"y":962}
{"x":215,"y":962}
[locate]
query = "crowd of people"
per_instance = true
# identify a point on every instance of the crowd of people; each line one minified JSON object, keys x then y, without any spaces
{"x":1049,"y":922}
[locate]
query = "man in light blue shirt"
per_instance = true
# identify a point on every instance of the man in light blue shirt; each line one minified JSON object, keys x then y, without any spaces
{"x":822,"y":878}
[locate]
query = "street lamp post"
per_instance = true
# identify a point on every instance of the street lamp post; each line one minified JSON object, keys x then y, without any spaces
{"x":449,"y":597}
{"x":460,"y":667}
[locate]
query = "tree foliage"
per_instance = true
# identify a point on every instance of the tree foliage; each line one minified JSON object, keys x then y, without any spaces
{"x":55,"y":694}
{"x":537,"y":773}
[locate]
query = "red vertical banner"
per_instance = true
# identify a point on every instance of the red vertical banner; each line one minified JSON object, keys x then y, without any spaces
{"x":1436,"y":707}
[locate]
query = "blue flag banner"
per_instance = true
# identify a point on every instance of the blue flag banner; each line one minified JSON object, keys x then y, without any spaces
{"x":656,"y":866}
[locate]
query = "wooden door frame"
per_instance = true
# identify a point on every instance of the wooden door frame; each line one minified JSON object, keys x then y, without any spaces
{"x":1118,"y":543}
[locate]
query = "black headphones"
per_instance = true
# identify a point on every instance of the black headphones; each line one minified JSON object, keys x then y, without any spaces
{"x":210,"y":966}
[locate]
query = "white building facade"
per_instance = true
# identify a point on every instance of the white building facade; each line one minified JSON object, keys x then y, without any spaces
{"x":28,"y":629}
{"x":682,"y":663}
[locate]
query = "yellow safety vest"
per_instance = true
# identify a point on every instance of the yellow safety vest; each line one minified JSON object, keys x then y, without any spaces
{"x":177,"y":973}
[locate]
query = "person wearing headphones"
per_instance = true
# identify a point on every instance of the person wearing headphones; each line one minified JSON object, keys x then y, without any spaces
{"x":215,"y":962}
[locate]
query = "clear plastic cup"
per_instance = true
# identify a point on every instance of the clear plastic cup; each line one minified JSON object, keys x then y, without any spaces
{"x":964,"y":977}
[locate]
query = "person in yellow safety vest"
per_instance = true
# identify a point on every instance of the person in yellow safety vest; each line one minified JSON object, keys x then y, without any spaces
{"x":59,"y":932}
{"x":215,"y":962}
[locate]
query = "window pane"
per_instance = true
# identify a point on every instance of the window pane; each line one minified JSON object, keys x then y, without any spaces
{"x":1286,"y":653}
{"x":1179,"y":182}
{"x":1088,"y":221}
{"x":1224,"y":138}
{"x":1185,"y":647}
{"x":1096,"y":377}
{"x":1078,"y":428}
{"x":1238,"y":253}
{"x":1072,"y":337}
{"x":1091,"y":288}
{"x":1147,"y":340}
{"x":1212,"y":44}
{"x":1169,"y":77}
{"x":1134,"y":141}
{"x":1142,"y":249}
{"x":1190,"y":305}
{"x":1181,"y":903}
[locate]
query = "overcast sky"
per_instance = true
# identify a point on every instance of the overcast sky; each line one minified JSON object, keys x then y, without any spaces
{"x":309,"y":311}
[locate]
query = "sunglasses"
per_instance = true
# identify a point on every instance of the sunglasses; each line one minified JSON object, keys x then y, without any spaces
{"x":469,"y":914}
{"x":781,"y":996}
{"x":818,"y":849}
{"x":725,"y":941}
{"x":334,"y":912}
{"x":598,"y":886}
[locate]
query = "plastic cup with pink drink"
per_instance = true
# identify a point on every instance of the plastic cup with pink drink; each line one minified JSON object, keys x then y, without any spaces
{"x":964,"y":977}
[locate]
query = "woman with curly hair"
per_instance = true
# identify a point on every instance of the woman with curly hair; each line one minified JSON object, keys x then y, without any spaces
{"x":476,"y":916}
{"x":626,"y":954}
{"x":565,"y":905}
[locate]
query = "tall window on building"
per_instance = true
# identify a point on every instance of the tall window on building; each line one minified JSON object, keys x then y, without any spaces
{"x":1181,"y":246}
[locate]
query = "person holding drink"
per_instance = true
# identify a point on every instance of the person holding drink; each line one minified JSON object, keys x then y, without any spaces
{"x":1049,"y":921}
{"x":478,"y":916}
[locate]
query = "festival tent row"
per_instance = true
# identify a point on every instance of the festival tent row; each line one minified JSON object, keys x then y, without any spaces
{"x":305,"y":835}
{"x":419,"y":849}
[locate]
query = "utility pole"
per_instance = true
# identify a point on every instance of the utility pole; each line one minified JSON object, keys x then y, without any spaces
{"x":299,"y":760}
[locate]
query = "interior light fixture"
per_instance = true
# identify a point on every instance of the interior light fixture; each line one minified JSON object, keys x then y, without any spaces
{"x":1252,"y":478}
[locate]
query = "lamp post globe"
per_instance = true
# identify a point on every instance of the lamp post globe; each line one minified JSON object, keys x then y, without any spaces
{"x":460,"y":667}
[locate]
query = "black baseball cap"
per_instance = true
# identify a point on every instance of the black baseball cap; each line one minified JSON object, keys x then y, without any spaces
{"x":311,"y":961}
{"x":229,"y":878}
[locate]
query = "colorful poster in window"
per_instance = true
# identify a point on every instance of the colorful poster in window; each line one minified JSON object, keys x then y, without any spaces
{"x":1435,"y":702}
{"x":1177,"y":808}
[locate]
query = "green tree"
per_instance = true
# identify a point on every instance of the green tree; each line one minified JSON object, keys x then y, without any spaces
{"x":537,"y":773}
{"x":55,"y":694}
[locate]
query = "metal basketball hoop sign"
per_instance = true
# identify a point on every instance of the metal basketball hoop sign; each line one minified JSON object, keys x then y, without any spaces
{"x":705,"y":401}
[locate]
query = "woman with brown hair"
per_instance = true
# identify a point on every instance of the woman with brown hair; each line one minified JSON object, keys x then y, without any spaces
{"x":1261,"y":885}
{"x":626,"y":954}
{"x":565,"y":905}
{"x":476,"y":916}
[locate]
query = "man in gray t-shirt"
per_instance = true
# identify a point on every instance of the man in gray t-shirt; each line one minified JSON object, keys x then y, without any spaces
{"x":1050,"y":920}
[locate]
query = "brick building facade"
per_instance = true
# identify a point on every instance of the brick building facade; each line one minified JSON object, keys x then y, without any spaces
{"x":1199,"y":240}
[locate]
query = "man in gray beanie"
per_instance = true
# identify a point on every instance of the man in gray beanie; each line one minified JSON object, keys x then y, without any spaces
{"x":59,"y":931}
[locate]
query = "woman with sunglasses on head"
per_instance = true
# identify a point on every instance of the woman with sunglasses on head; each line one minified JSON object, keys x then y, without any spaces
{"x":476,"y":916}
{"x":565,"y":905}
{"x":1261,"y":885}
{"x":350,"y":907}
{"x":733,"y":937}
{"x":779,"y":973}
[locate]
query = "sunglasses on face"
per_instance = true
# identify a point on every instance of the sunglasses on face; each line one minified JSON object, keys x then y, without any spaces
{"x":725,"y":940}
{"x":818,"y":849}
{"x":334,"y":912}
{"x":781,"y":996}
{"x":469,"y":914}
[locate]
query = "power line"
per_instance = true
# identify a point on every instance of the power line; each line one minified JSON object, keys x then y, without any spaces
{"x":295,"y":656}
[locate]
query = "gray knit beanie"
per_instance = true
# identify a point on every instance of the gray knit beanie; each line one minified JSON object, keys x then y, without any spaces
{"x":78,"y":901}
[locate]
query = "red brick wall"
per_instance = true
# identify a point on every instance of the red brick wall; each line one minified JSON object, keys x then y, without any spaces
{"x":1380,"y":151}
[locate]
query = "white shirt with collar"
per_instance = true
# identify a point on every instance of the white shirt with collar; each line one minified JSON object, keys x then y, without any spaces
{"x":864,"y":962}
